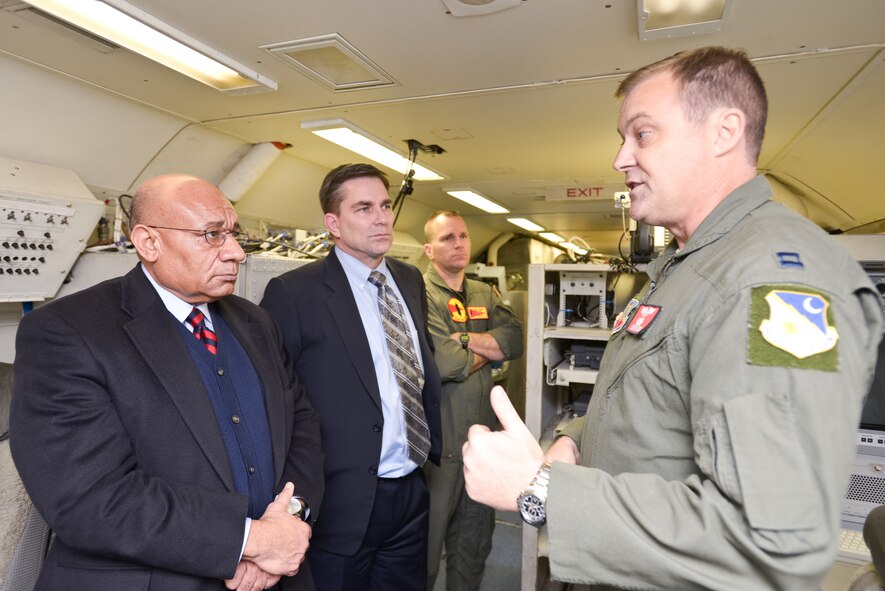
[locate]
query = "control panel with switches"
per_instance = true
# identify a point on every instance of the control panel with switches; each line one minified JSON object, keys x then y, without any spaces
{"x":46,"y":216}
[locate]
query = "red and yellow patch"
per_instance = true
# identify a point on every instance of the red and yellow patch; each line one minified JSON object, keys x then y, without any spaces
{"x":478,"y":313}
{"x":456,"y":308}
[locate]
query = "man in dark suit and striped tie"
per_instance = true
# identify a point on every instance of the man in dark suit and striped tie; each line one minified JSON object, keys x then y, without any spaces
{"x":355,"y":324}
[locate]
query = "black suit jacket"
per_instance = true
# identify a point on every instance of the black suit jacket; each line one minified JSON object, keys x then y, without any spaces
{"x":117,"y":443}
{"x":323,"y":333}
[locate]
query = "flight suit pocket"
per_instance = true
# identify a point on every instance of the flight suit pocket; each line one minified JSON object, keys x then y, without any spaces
{"x":781,"y":501}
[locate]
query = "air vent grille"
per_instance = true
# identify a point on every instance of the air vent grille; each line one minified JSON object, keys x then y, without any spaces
{"x":332,"y":61}
{"x":869,"y":489}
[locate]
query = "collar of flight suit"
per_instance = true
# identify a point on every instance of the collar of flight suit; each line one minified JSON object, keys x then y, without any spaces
{"x":724,"y":217}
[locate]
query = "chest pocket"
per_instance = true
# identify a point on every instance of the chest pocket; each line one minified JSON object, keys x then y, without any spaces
{"x":641,"y":417}
{"x":650,"y":365}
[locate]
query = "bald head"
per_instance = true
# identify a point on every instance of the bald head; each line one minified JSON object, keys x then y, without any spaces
{"x":159,"y":193}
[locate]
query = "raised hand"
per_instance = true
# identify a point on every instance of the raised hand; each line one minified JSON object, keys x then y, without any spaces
{"x":498,"y":465}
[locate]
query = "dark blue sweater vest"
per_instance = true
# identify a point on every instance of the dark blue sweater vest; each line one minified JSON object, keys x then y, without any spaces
{"x":237,"y":396}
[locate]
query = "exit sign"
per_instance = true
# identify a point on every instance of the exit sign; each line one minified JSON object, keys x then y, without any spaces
{"x":577,"y":193}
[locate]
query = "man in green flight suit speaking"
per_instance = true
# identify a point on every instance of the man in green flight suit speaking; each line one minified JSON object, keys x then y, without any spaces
{"x":718,"y":441}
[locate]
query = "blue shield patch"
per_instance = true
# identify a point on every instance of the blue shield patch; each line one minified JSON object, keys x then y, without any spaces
{"x":797,"y":323}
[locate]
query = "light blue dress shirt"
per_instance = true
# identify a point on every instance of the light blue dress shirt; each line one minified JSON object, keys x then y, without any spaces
{"x":394,"y":460}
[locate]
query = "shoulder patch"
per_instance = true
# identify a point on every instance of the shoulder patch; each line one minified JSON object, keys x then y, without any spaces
{"x":792,"y":326}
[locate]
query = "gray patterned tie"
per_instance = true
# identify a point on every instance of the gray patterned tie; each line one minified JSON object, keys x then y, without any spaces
{"x":405,"y":367}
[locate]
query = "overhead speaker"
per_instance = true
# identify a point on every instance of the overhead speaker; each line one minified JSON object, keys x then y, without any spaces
{"x":478,"y":7}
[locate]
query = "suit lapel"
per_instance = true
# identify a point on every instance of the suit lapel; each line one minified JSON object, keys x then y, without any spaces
{"x":251,"y":337}
{"x":411,"y":295}
{"x":342,"y":306}
{"x":153,"y":332}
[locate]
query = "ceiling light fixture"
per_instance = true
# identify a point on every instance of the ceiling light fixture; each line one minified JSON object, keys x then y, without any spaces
{"x":525,"y":224}
{"x":552,"y":237}
{"x":477,"y":200}
{"x":349,"y":136}
{"x":132,"y":28}
{"x":665,"y":19}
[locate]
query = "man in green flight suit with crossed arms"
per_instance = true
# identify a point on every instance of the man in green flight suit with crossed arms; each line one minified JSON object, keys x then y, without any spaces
{"x":471,"y":327}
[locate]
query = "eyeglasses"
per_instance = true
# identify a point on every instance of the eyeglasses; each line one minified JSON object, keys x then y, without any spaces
{"x":213,"y":236}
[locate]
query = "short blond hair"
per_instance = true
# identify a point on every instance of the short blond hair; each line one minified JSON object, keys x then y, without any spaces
{"x":709,"y":78}
{"x":449,"y":213}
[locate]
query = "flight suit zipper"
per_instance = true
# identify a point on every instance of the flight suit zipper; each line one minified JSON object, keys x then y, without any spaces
{"x":663,"y":274}
{"x":645,"y":298}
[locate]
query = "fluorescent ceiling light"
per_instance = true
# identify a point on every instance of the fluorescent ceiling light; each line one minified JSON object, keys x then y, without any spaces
{"x":347,"y":135}
{"x":665,"y":19}
{"x":477,"y":200}
{"x":552,"y":237}
{"x":128,"y":26}
{"x":573,"y":247}
{"x":525,"y":224}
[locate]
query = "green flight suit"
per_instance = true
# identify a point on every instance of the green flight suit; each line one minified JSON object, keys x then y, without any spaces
{"x":456,"y":521}
{"x":713,"y":458}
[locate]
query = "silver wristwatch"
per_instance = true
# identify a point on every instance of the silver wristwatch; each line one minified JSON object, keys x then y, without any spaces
{"x":299,"y":508}
{"x":532,"y":502}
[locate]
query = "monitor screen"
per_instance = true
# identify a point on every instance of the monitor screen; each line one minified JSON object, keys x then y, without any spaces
{"x":873,"y":415}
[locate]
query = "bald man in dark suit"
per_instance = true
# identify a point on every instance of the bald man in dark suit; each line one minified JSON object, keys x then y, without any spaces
{"x":154,"y":455}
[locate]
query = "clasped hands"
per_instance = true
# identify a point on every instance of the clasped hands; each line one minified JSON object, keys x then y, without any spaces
{"x":276,"y":546}
{"x":498,"y":465}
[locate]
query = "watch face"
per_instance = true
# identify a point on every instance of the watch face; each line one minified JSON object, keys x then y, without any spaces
{"x":532,"y":510}
{"x":296,"y":507}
